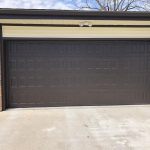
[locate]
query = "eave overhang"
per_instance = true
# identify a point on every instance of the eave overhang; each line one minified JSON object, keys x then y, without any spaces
{"x":68,"y":24}
{"x":71,"y":14}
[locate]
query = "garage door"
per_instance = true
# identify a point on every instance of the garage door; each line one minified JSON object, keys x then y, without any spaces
{"x":77,"y":72}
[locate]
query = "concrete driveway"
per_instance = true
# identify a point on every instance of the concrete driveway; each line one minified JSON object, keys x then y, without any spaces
{"x":76,"y":128}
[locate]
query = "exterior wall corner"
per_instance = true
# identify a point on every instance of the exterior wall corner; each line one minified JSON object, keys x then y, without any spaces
{"x":1,"y":46}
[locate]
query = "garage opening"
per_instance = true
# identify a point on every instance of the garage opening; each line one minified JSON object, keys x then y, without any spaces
{"x":77,"y":72}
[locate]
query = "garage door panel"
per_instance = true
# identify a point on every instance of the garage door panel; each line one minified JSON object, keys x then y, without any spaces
{"x":77,"y":72}
{"x":72,"y":97}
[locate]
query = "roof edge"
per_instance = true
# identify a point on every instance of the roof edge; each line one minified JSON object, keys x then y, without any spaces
{"x":71,"y":14}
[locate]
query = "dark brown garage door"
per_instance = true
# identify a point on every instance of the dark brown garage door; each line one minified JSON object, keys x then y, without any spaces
{"x":77,"y":72}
